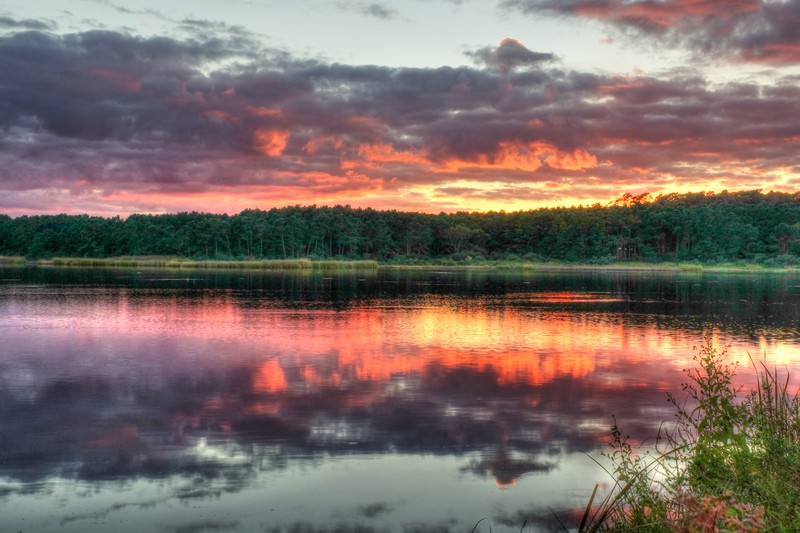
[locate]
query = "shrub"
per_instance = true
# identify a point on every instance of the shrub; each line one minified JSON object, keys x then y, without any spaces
{"x":728,"y":464}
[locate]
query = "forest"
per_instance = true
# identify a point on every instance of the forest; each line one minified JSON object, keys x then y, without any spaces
{"x":746,"y":226}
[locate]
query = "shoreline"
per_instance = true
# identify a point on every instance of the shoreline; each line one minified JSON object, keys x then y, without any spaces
{"x":305,"y":264}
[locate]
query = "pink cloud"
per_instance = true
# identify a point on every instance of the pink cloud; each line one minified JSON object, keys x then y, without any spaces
{"x":289,"y":132}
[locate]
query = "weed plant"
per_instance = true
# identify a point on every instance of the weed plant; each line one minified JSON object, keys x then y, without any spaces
{"x":729,"y":463}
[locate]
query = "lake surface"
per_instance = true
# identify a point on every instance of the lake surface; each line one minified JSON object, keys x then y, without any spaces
{"x":172,"y":401}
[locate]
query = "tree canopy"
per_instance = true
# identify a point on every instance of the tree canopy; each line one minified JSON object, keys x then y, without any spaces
{"x":708,"y":227}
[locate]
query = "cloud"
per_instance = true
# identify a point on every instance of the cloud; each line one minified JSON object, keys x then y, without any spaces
{"x":128,"y":11}
{"x":102,"y":427}
{"x":117,"y":123}
{"x":380,"y":11}
{"x":7,"y":23}
{"x":144,"y":416}
{"x":508,"y":55}
{"x":740,"y":30}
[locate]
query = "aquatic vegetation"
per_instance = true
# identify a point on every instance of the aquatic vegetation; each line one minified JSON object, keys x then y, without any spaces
{"x":728,"y":463}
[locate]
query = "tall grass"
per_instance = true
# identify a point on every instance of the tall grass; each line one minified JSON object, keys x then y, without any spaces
{"x":267,"y":264}
{"x":279,"y":264}
{"x":175,"y":262}
{"x":332,"y":264}
{"x":136,"y":261}
{"x":11,"y":260}
{"x":729,"y":463}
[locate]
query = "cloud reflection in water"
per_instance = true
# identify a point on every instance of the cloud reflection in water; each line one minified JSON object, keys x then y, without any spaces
{"x":218,"y":392}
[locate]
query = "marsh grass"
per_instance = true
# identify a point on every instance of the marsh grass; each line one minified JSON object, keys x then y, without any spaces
{"x":267,"y":264}
{"x":11,"y":260}
{"x":730,"y":462}
{"x":481,"y":265}
{"x":280,"y":264}
{"x":176,"y":262}
{"x":127,"y":261}
{"x":332,"y":264}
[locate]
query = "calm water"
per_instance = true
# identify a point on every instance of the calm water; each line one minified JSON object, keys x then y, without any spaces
{"x":418,"y":402}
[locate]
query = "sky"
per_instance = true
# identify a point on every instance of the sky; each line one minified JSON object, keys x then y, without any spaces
{"x":143,"y":106}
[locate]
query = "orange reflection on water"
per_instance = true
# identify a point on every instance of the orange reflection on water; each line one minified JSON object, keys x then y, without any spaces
{"x":518,"y":347}
{"x":270,"y":378}
{"x":532,"y":346}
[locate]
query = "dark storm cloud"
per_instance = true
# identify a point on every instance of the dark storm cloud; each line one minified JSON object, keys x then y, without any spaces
{"x":743,"y":30}
{"x":109,"y":111}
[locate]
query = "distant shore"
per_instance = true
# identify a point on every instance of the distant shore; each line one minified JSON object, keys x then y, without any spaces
{"x":305,"y":264}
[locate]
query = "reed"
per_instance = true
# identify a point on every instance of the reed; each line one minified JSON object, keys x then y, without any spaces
{"x":210,"y":264}
{"x":144,"y":261}
{"x":281,"y":264}
{"x":729,"y":464}
{"x":331,"y":264}
{"x":266,"y":264}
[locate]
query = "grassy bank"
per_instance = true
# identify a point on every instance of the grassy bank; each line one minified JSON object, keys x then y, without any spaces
{"x":278,"y":264}
{"x":555,"y":266}
{"x":181,"y":263}
{"x":11,"y":260}
{"x":730,"y":463}
{"x":370,"y":264}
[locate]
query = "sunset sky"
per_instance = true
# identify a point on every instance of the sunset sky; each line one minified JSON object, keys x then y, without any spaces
{"x":111,"y":108}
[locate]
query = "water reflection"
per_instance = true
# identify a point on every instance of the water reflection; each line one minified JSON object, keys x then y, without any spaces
{"x":394,"y":401}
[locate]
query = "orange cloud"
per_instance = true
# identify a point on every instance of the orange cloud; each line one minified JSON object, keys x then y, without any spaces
{"x":578,"y":159}
{"x":530,"y":157}
{"x":375,"y":155}
{"x":385,"y":153}
{"x":316,"y":143}
{"x":271,"y":142}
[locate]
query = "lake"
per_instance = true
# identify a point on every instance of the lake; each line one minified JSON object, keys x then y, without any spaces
{"x":174,"y":401}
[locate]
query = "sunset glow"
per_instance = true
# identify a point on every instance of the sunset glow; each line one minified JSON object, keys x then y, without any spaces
{"x":204,"y":112}
{"x":292,"y":349}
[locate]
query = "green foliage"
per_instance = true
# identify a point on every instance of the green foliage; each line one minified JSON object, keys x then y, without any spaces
{"x":728,"y":464}
{"x":695,"y":227}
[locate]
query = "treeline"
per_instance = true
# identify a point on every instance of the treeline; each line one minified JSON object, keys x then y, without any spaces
{"x":738,"y":226}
